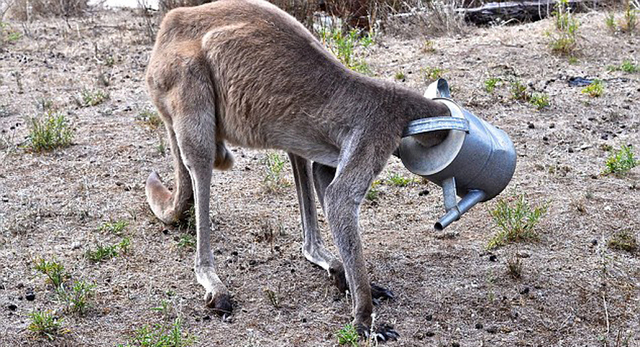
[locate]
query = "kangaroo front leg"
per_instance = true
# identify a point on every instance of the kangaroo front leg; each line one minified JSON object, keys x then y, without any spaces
{"x":313,"y":247}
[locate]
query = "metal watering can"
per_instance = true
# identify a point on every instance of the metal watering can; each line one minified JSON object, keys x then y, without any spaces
{"x":476,"y":160}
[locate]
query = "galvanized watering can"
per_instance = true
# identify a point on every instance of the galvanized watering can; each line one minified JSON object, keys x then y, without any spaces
{"x":476,"y":160}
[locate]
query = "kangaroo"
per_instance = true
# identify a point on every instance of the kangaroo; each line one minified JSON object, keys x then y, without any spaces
{"x":246,"y":73}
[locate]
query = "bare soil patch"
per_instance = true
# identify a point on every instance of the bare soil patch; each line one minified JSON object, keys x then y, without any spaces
{"x":574,"y":290}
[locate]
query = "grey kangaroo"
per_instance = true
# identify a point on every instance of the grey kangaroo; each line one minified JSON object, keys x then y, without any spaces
{"x":246,"y":73}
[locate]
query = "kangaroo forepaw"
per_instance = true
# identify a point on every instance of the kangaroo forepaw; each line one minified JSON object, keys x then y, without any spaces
{"x":379,"y":293}
{"x":220,"y":303}
{"x":382,"y":333}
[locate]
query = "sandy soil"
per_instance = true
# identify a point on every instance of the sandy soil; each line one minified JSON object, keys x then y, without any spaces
{"x":574,"y":290}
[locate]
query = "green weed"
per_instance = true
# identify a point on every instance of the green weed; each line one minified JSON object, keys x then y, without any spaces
{"x":595,"y":89}
{"x":563,"y":39}
{"x":187,"y":241}
{"x":399,"y":181}
{"x":102,"y":253}
{"x":491,"y":84}
{"x":45,"y":324}
{"x":428,"y":46}
{"x":8,"y":34}
{"x":49,"y":132}
{"x":348,"y":335}
{"x":345,"y":46}
{"x":274,"y":179}
{"x":610,"y":21}
{"x":516,"y":221}
{"x":116,"y":227}
{"x":626,"y":66}
{"x":76,"y":299}
{"x":373,"y":192}
{"x":623,"y":240}
{"x":400,"y":76}
{"x":160,"y":335}
{"x":53,"y":270}
{"x":93,"y":97}
{"x":539,"y":100}
{"x":621,"y":161}
{"x":519,"y":91}
{"x":432,"y":73}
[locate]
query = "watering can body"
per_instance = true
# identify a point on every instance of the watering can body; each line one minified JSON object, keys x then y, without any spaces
{"x":476,"y":160}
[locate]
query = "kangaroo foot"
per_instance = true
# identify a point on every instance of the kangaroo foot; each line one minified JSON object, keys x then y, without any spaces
{"x":382,"y":333}
{"x":220,"y":303}
{"x":379,"y":293}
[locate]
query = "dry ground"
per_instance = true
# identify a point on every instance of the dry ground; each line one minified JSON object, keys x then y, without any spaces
{"x":574,"y":291}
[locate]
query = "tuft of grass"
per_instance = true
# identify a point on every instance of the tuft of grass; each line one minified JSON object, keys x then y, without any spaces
{"x":53,"y":270}
{"x":428,"y":46}
{"x":273,"y":297}
{"x":92,"y":97}
{"x":399,"y":76}
{"x":45,"y":324}
{"x":49,"y":132}
{"x":274,"y":179}
{"x":187,"y":241}
{"x":160,"y":335}
{"x":626,"y":66}
{"x":539,"y":100}
{"x":490,"y":84}
{"x":400,"y":181}
{"x":519,"y":91}
{"x":516,"y":221}
{"x":348,"y":335}
{"x":623,"y":240}
{"x":347,"y":47}
{"x":103,"y":253}
{"x":114,"y":227}
{"x":595,"y":89}
{"x":514,"y":266}
{"x":432,"y":73}
{"x":630,"y":20}
{"x":149,"y":118}
{"x":621,"y":161}
{"x":373,"y":192}
{"x":76,"y":298}
{"x":8,"y":34}
{"x":610,"y":21}
{"x":564,"y":38}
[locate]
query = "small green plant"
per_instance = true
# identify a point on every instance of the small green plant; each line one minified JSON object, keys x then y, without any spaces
{"x":610,"y":21}
{"x":491,"y":84}
{"x":519,"y":91}
{"x":373,"y":192}
{"x":149,"y":118}
{"x":274,"y":179}
{"x":626,"y":66}
{"x":573,"y":60}
{"x":45,"y":324}
{"x":621,"y":161}
{"x":400,"y":75}
{"x":432,"y":73}
{"x":595,"y":89}
{"x":76,"y":299}
{"x":160,"y":335}
{"x":102,"y":253}
{"x":124,"y":245}
{"x":400,"y":181}
{"x":516,"y":221}
{"x":563,"y":39}
{"x":345,"y":46}
{"x":623,"y":240}
{"x":514,"y":266}
{"x":49,"y":132}
{"x":187,"y":241}
{"x":114,"y":227}
{"x":8,"y":34}
{"x":428,"y":46}
{"x":164,"y":308}
{"x":273,"y":297}
{"x":539,"y":100}
{"x":348,"y":335}
{"x":53,"y":270}
{"x":92,"y":97}
{"x":630,"y":20}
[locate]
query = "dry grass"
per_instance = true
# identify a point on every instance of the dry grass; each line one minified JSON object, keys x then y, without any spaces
{"x":32,"y":9}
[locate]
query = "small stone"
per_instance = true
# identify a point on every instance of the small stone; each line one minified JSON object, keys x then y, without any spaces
{"x":76,"y":245}
{"x":424,"y":192}
{"x":429,"y":333}
{"x":492,"y":330}
{"x":545,"y":139}
{"x":165,"y":231}
{"x":455,"y":344}
{"x":552,"y":125}
{"x":493,"y":257}
{"x":30,"y":296}
{"x":525,"y":291}
{"x":206,"y":318}
{"x":304,"y":320}
{"x":594,"y":242}
{"x":570,"y":150}
{"x":531,"y":125}
{"x":429,"y":317}
{"x":479,"y":326}
{"x":12,"y":307}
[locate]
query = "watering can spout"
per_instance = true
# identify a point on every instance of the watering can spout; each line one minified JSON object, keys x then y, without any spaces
{"x":454,"y":212}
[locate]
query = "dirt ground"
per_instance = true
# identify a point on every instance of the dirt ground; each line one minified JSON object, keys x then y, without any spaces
{"x":450,"y":290}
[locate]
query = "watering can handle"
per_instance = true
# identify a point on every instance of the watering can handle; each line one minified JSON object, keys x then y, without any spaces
{"x":425,"y":125}
{"x":438,"y":89}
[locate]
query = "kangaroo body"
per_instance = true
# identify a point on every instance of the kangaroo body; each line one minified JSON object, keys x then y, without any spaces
{"x":244,"y":72}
